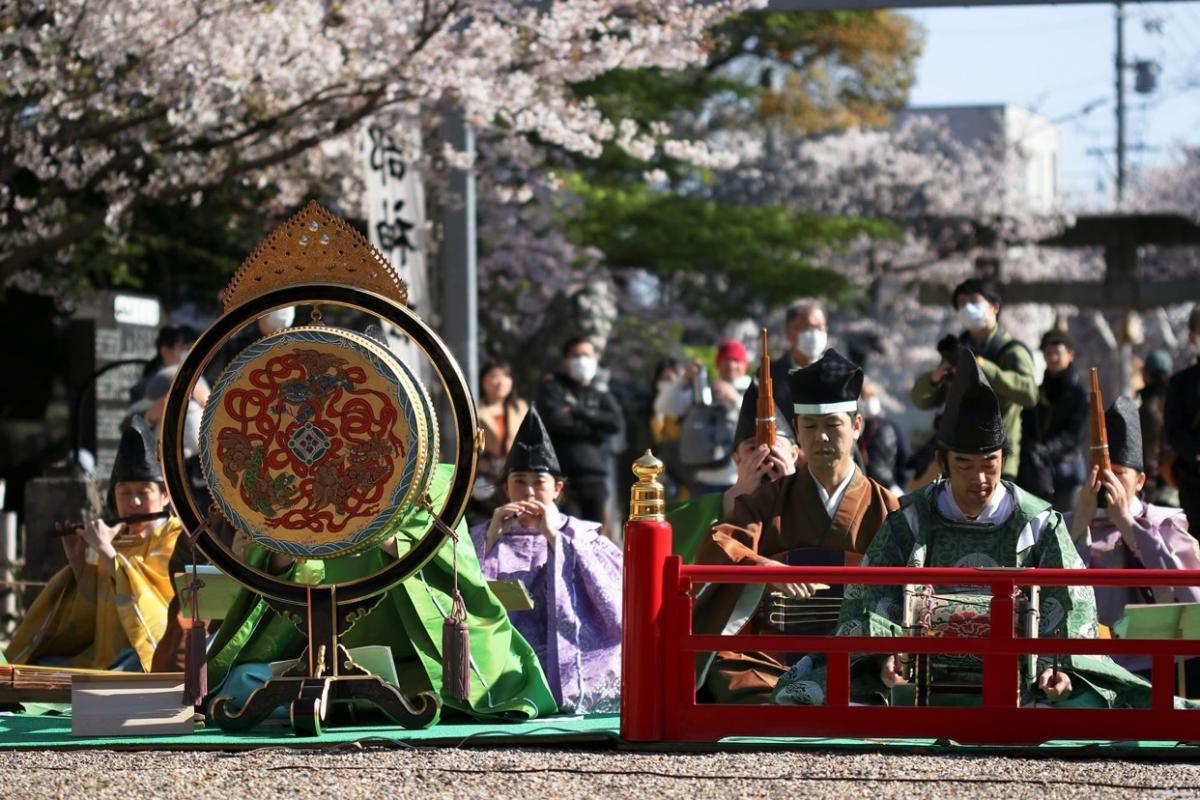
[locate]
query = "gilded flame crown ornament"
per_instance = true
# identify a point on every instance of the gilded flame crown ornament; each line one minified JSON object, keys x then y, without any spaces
{"x":314,"y":246}
{"x":647,"y":498}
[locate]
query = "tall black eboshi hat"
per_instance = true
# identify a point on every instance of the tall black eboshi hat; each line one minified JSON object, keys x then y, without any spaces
{"x":137,"y":455}
{"x":532,"y":450}
{"x":748,"y":418}
{"x":971,"y":421}
{"x":1125,"y":434}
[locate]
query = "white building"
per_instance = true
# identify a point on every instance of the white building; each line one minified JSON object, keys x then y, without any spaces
{"x":1028,"y":143}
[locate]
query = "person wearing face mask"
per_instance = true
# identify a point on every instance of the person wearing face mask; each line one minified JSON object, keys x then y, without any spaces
{"x":1006,"y":362}
{"x":807,"y":336}
{"x":823,"y":515}
{"x":709,"y":424}
{"x":269,"y":323}
{"x":973,"y":516}
{"x":881,"y":445}
{"x":1130,"y":533}
{"x":1054,"y":430}
{"x":581,"y":417}
{"x":1181,"y":421}
{"x":572,"y":571}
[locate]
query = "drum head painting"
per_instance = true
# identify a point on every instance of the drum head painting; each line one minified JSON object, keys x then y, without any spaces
{"x":318,"y":442}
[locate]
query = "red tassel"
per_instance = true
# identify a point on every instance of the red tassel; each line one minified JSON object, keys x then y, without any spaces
{"x":195,"y":664}
{"x":456,"y":659}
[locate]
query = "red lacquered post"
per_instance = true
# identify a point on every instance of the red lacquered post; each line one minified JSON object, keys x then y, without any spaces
{"x":647,"y":546}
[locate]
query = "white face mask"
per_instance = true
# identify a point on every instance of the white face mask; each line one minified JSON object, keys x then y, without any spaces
{"x":872,"y":407}
{"x":974,"y":316}
{"x":281,"y":318}
{"x":582,"y":368}
{"x":812,"y":342}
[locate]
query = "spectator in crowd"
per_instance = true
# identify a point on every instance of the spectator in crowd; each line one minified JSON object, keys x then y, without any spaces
{"x":710,"y":422}
{"x":1181,"y":424}
{"x":581,"y":418}
{"x":1156,"y":371}
{"x":1006,"y":362}
{"x":807,"y":336}
{"x":500,"y":413}
{"x":172,"y":345}
{"x":265,"y":325}
{"x":667,"y":407}
{"x":1053,"y":431}
{"x":881,"y":445}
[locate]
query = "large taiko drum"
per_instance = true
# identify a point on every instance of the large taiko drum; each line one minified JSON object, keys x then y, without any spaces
{"x":318,"y":442}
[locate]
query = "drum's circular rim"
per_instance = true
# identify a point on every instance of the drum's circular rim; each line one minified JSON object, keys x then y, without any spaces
{"x":417,"y":466}
{"x":462,"y":413}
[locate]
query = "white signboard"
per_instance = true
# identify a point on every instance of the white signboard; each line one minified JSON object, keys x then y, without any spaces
{"x":396,"y":223}
{"x":395,"y":199}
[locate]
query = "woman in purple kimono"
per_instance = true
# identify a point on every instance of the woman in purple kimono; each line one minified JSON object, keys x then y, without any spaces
{"x":572,"y":571}
{"x":1130,"y":533}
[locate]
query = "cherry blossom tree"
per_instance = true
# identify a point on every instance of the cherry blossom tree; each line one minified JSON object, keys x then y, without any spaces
{"x":111,"y":106}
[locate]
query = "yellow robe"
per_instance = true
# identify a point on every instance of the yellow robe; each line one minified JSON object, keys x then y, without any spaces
{"x":90,"y":622}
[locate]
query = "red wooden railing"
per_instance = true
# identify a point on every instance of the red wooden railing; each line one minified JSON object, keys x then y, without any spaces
{"x":659,"y":659}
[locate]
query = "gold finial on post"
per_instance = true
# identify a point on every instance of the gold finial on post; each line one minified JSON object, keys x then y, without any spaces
{"x":647,"y":498}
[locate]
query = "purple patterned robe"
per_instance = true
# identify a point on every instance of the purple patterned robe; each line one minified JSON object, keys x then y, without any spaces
{"x":1160,"y":541}
{"x":575,"y":624}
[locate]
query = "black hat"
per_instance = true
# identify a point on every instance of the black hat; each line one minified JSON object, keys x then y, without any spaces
{"x":748,"y":418}
{"x":137,"y":454}
{"x":828,"y":385}
{"x":532,"y":450}
{"x":1124,"y":434}
{"x":971,"y":421}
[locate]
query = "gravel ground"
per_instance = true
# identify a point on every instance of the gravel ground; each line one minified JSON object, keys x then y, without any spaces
{"x":378,"y":774}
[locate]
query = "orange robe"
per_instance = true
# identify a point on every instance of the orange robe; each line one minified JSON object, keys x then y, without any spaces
{"x":783,"y":521}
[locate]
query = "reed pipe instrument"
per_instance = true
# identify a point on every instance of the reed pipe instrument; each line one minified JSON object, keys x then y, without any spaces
{"x":764,"y":428}
{"x":1099,"y":434}
{"x":72,"y":527}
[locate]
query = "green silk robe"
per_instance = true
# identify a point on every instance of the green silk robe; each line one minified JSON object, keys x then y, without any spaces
{"x":507,"y":681}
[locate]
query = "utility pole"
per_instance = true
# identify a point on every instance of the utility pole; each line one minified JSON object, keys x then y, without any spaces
{"x":459,"y":306}
{"x":1120,"y":103}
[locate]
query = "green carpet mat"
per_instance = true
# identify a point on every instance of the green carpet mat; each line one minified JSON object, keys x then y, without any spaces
{"x":31,"y":732}
{"x":40,"y":732}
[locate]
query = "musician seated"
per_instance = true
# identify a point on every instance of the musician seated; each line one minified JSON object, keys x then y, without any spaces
{"x":572,"y":571}
{"x":1130,"y":533}
{"x":971,"y":518}
{"x":107,"y":609}
{"x":692,"y":520}
{"x":823,"y":515}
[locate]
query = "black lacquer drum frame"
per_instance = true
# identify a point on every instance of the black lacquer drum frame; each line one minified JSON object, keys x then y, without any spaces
{"x":325,"y":673}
